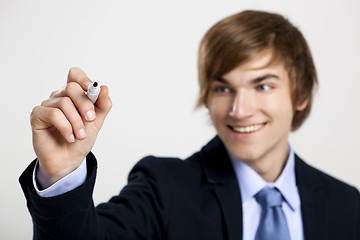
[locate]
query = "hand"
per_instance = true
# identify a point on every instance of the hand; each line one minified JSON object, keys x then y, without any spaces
{"x":65,"y":126}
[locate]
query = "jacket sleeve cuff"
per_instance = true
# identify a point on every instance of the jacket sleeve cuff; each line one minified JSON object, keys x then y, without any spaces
{"x":66,"y":184}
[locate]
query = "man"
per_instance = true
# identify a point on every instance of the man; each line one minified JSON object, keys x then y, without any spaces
{"x":256,"y":78}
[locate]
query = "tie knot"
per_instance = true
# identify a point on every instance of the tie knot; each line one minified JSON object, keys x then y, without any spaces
{"x":269,"y":197}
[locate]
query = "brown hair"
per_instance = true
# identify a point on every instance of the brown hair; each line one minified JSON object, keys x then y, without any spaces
{"x":238,"y":38}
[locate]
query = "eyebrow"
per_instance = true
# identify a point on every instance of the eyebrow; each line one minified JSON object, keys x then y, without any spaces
{"x":255,"y":81}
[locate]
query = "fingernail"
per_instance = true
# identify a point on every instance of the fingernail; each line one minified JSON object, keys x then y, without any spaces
{"x":72,"y":138}
{"x":87,"y":83}
{"x":90,"y":115}
{"x":82,"y":133}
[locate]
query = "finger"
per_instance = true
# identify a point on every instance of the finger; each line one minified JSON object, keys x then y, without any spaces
{"x":58,"y":93}
{"x":71,"y":113}
{"x":44,"y":117}
{"x":77,"y":75}
{"x":77,"y":95}
{"x":103,"y":104}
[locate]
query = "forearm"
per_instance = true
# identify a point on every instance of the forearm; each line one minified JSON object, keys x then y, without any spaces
{"x":71,"y":215}
{"x":137,"y":213}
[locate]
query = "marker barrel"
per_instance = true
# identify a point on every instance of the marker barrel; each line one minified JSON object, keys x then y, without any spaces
{"x":93,"y":92}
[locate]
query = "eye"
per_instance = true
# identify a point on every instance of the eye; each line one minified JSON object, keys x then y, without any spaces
{"x":222,"y":89}
{"x":264,"y":87}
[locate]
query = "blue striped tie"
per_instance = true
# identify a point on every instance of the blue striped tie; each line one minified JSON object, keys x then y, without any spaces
{"x":272,"y":224}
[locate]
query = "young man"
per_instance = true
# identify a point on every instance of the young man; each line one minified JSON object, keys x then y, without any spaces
{"x":256,"y":78}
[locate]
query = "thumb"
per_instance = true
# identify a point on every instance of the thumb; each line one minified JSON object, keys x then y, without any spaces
{"x":103,"y":105}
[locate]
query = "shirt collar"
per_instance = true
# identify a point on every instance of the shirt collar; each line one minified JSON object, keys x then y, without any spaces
{"x":250,"y":182}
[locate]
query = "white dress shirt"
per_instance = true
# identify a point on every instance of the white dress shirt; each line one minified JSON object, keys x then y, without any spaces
{"x":250,"y":182}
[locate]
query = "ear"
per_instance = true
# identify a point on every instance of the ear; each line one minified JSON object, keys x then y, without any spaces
{"x":302,"y":106}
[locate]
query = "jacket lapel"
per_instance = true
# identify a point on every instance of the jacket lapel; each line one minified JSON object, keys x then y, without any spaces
{"x":220,"y":173}
{"x":313,"y":202}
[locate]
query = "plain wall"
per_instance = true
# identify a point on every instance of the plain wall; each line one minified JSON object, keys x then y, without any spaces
{"x":145,"y":51}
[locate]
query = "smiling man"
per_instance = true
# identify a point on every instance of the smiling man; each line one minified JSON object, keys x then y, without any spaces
{"x":252,"y":111}
{"x":256,"y":77}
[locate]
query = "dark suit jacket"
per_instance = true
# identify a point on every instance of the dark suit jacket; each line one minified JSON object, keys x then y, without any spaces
{"x":198,"y":198}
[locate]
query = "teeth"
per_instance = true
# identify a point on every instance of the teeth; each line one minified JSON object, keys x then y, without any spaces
{"x":247,"y":129}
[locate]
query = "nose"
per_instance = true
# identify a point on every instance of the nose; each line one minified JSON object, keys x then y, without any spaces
{"x":244,"y":105}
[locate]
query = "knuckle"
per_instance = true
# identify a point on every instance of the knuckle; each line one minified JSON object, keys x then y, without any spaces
{"x":34,"y":111}
{"x":34,"y":115}
{"x":73,"y":70}
{"x":43,"y":103}
{"x":75,"y":118}
{"x":54,"y":113}
{"x":71,"y":86}
{"x":64,"y":102}
{"x":77,"y":124}
{"x":52,"y":94}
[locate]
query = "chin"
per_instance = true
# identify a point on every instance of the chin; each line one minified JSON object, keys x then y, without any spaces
{"x":247,"y":155}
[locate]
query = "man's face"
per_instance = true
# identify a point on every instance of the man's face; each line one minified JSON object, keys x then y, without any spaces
{"x":252,"y":111}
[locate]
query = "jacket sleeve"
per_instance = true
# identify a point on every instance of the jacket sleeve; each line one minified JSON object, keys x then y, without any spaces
{"x":136,"y":213}
{"x":358,"y":216}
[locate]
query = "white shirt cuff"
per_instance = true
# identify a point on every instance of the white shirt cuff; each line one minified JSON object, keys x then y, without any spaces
{"x":66,"y":184}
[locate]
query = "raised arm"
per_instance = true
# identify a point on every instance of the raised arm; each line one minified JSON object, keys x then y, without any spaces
{"x":65,"y":126}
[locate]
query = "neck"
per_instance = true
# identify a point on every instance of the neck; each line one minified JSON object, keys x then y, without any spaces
{"x":271,"y":167}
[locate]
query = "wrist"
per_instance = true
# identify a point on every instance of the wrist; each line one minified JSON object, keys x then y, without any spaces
{"x":64,"y":185}
{"x":45,"y":178}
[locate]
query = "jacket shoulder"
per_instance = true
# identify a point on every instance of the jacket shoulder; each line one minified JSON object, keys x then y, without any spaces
{"x":167,"y":166}
{"x":310,"y":176}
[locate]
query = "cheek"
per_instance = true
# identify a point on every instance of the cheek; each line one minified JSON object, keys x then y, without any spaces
{"x":213,"y":106}
{"x":281,"y":108}
{"x":217,"y":110}
{"x":213,"y":110}
{"x":278,"y":105}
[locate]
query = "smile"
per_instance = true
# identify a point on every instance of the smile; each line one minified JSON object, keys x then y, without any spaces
{"x":248,"y":129}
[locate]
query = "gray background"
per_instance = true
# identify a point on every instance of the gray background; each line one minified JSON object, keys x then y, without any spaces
{"x":145,"y":51}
